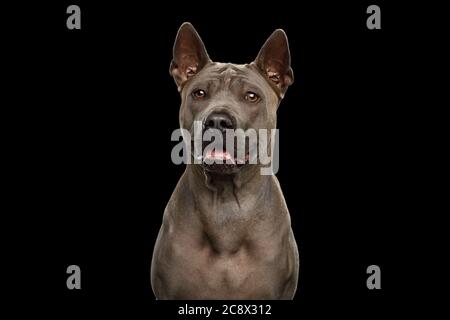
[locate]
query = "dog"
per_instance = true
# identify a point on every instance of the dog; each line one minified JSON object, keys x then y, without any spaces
{"x":226,"y":230}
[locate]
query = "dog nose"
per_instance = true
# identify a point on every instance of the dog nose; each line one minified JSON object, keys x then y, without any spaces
{"x":219,"y":121}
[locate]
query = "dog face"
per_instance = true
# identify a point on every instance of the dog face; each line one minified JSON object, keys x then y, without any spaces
{"x":225,"y":96}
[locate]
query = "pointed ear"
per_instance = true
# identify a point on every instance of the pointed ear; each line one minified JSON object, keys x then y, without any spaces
{"x":274,"y":60}
{"x":189,"y":55}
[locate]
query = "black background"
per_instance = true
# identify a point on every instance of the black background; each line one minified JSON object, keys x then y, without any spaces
{"x":101,"y":107}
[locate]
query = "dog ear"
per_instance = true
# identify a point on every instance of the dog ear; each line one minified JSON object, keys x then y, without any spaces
{"x":189,"y":55}
{"x":274,"y":60}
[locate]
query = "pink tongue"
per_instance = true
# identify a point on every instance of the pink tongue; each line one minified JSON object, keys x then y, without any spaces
{"x":217,"y":154}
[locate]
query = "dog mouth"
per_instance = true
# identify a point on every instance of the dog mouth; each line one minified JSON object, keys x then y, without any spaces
{"x":222,"y":161}
{"x":221,"y":151}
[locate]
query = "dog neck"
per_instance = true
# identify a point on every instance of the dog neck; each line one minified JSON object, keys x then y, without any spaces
{"x":227,"y":204}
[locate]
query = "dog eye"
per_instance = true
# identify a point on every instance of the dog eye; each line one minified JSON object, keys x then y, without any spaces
{"x":199,"y":94}
{"x":251,"y":96}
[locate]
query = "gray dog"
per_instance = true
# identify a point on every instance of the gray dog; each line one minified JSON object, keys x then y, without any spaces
{"x":226,"y":231}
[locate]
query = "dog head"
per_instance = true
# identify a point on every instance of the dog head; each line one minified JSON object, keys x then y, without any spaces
{"x":224,"y":96}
